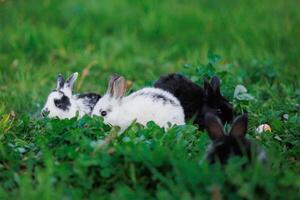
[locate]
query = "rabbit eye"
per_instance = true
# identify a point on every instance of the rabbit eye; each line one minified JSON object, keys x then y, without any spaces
{"x":219,"y":111}
{"x":103,"y":113}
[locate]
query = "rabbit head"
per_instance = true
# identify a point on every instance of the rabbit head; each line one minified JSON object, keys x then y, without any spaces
{"x":195,"y":100}
{"x":60,"y":102}
{"x":214,"y":101}
{"x":224,"y":146}
{"x":109,"y":105}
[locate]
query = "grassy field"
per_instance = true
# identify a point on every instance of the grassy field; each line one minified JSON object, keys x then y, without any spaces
{"x":258,"y":42}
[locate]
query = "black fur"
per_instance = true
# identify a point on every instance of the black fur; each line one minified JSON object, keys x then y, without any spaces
{"x":90,"y":99}
{"x":225,"y":146}
{"x":157,"y":97}
{"x":163,"y":98}
{"x":63,"y":103}
{"x":60,"y":82}
{"x":195,"y":100}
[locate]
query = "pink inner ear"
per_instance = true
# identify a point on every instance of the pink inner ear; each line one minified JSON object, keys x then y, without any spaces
{"x":239,"y":127}
{"x":214,"y":126}
{"x":119,"y":87}
{"x":215,"y":132}
{"x":111,"y":83}
{"x":238,"y":131}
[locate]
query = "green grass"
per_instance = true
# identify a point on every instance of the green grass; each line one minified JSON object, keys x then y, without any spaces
{"x":258,"y":42}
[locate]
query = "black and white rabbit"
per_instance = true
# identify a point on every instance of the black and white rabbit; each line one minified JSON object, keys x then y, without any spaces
{"x":147,"y":104}
{"x":225,"y":146}
{"x":62,"y":103}
{"x":195,"y":100}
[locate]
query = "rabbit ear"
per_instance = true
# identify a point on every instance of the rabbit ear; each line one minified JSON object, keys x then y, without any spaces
{"x":214,"y":126}
{"x":117,"y":86}
{"x":71,"y":80}
{"x":215,"y":84}
{"x":207,"y":87}
{"x":60,"y":82}
{"x":110,"y":88}
{"x":239,"y":127}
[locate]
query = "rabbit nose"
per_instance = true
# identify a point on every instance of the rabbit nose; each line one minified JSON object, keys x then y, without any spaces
{"x":45,"y":112}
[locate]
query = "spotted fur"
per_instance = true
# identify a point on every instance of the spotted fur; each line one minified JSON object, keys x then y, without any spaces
{"x":62,"y":103}
{"x":148,"y":104}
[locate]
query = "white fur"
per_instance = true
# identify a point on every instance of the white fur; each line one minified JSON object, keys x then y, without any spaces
{"x":142,"y":108}
{"x":78,"y":105}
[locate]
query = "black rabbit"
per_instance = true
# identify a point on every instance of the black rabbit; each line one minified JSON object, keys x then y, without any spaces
{"x":195,"y":100}
{"x":235,"y":143}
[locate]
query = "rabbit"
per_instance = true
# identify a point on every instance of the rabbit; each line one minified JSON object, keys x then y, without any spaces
{"x":195,"y":100}
{"x":225,"y":146}
{"x":63,"y":104}
{"x":147,"y":104}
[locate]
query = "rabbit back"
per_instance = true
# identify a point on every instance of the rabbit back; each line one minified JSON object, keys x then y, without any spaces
{"x":190,"y":95}
{"x":86,"y":102}
{"x":195,"y":100}
{"x":152,"y":104}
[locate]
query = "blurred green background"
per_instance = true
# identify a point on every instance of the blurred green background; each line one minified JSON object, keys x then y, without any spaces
{"x":141,"y":40}
{"x":259,"y":46}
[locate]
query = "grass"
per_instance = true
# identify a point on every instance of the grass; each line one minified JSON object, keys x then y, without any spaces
{"x":258,"y":42}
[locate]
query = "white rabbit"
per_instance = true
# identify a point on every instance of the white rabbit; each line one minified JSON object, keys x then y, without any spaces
{"x":63,"y":104}
{"x":148,"y":104}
